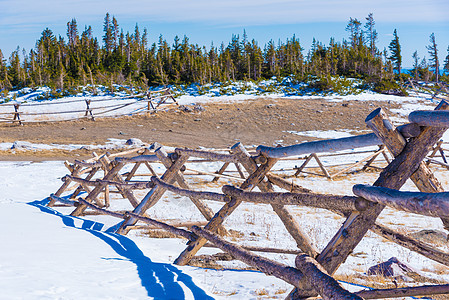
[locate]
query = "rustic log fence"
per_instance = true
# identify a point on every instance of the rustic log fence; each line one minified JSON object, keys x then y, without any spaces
{"x":136,"y":104}
{"x":312,"y":274}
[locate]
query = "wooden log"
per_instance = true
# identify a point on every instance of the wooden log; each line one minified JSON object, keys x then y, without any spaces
{"x":142,"y":185}
{"x":126,"y":193}
{"x":177,"y":231}
{"x":262,"y":249}
{"x":320,"y":164}
{"x":411,"y":244}
{"x":393,"y":176}
{"x":81,"y":187}
{"x":286,"y":185}
{"x":133,"y":171}
{"x":189,"y":193}
{"x":316,"y":276}
{"x":202,"y":207}
{"x":252,"y":181}
{"x":97,"y":190}
{"x":425,"y":290}
{"x":220,"y":172}
{"x":55,"y":199}
{"x":426,"y":204}
{"x":304,"y":164}
{"x":324,"y":201}
{"x":207,"y":155}
{"x":302,"y":240}
{"x":155,"y":194}
{"x":136,"y":159}
{"x":331,"y":145}
{"x":369,"y":158}
{"x":265,"y":265}
{"x":215,"y":174}
{"x":64,"y":186}
{"x":433,"y":118}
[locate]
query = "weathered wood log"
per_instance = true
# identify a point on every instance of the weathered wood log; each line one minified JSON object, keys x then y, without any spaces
{"x":252,"y":181}
{"x":202,"y":207}
{"x":411,"y":244}
{"x":331,"y":145}
{"x":425,"y":290}
{"x":320,"y":164}
{"x":155,"y":194}
{"x":207,"y":155}
{"x":220,"y":172}
{"x":302,"y":240}
{"x":393,"y":176}
{"x":426,"y":204}
{"x":97,"y":190}
{"x":81,"y":187}
{"x":286,"y":185}
{"x":143,"y":185}
{"x":189,"y":193}
{"x":369,"y":158}
{"x":262,"y":249}
{"x":214,"y":174}
{"x":66,"y":183}
{"x":126,"y":193}
{"x":177,"y":231}
{"x":55,"y":199}
{"x":316,"y":276}
{"x":265,"y":265}
{"x":331,"y":202}
{"x":433,"y":118}
{"x":136,"y":159}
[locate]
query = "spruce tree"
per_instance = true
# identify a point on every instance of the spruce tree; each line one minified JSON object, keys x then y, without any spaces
{"x":371,"y":33}
{"x":415,"y":64}
{"x":395,"y":50}
{"x":446,"y":61}
{"x":433,"y":52}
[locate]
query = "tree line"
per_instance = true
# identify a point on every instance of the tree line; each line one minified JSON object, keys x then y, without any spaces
{"x":126,"y":58}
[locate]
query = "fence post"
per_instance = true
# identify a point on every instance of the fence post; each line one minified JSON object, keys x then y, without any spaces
{"x":89,"y":110}
{"x":16,"y":114}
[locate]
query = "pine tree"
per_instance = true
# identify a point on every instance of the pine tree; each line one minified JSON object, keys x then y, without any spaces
{"x":355,"y":32}
{"x":371,"y":33}
{"x":395,"y":50}
{"x":433,"y":52}
{"x":446,"y":61}
{"x":415,"y":64}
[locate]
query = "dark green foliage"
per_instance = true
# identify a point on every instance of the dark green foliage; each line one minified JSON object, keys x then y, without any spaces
{"x":389,"y":87}
{"x":127,"y":59}
{"x":395,"y":50}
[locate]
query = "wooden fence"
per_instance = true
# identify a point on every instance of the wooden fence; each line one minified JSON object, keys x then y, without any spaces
{"x":17,"y":113}
{"x":312,"y":274}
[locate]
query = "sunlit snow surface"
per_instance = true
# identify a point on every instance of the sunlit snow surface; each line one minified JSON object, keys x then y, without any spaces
{"x":46,"y":254}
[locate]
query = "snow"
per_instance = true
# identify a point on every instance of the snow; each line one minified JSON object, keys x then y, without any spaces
{"x":47,"y":254}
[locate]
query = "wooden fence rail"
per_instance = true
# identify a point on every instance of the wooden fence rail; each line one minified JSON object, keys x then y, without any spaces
{"x":313,"y":272}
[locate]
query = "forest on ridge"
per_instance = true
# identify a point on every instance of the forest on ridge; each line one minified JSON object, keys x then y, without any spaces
{"x":80,"y":59}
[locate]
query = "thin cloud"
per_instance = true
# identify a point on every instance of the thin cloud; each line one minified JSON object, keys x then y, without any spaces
{"x":224,"y":13}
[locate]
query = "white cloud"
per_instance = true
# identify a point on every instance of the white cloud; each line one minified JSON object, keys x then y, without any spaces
{"x":224,"y":13}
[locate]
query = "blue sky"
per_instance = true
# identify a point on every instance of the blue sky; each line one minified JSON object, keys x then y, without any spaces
{"x":22,"y":21}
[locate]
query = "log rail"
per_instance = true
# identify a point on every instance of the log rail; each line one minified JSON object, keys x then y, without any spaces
{"x":313,"y":272}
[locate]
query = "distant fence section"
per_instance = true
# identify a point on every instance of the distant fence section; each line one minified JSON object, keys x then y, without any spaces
{"x":91,"y":183}
{"x":88,"y":108}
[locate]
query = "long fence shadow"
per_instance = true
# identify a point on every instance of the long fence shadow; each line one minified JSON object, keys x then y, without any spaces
{"x":161,"y":281}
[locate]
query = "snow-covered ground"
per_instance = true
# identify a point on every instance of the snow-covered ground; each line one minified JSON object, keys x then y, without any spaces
{"x":47,"y":254}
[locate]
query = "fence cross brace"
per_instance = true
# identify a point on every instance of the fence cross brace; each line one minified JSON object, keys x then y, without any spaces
{"x":407,"y":161}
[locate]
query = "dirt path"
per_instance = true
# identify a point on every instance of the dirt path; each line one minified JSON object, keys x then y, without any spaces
{"x":255,"y":122}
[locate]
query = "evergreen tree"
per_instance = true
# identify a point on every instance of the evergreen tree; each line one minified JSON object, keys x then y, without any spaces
{"x":371,"y":33}
{"x":415,"y":64}
{"x":433,"y":52}
{"x":446,"y":61}
{"x":395,"y":50}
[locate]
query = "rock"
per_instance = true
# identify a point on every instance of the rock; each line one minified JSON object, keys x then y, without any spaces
{"x":198,"y":107}
{"x":185,"y":108}
{"x":392,"y":268}
{"x":20,"y":145}
{"x":430,"y":236}
{"x":134,"y":142}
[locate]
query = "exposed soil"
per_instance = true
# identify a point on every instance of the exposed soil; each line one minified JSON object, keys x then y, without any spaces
{"x":252,"y":122}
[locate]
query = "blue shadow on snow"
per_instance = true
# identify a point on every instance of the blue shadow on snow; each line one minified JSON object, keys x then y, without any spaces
{"x":159,"y":279}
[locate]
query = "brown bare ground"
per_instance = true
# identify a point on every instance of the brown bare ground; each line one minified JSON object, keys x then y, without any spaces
{"x":253,"y":122}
